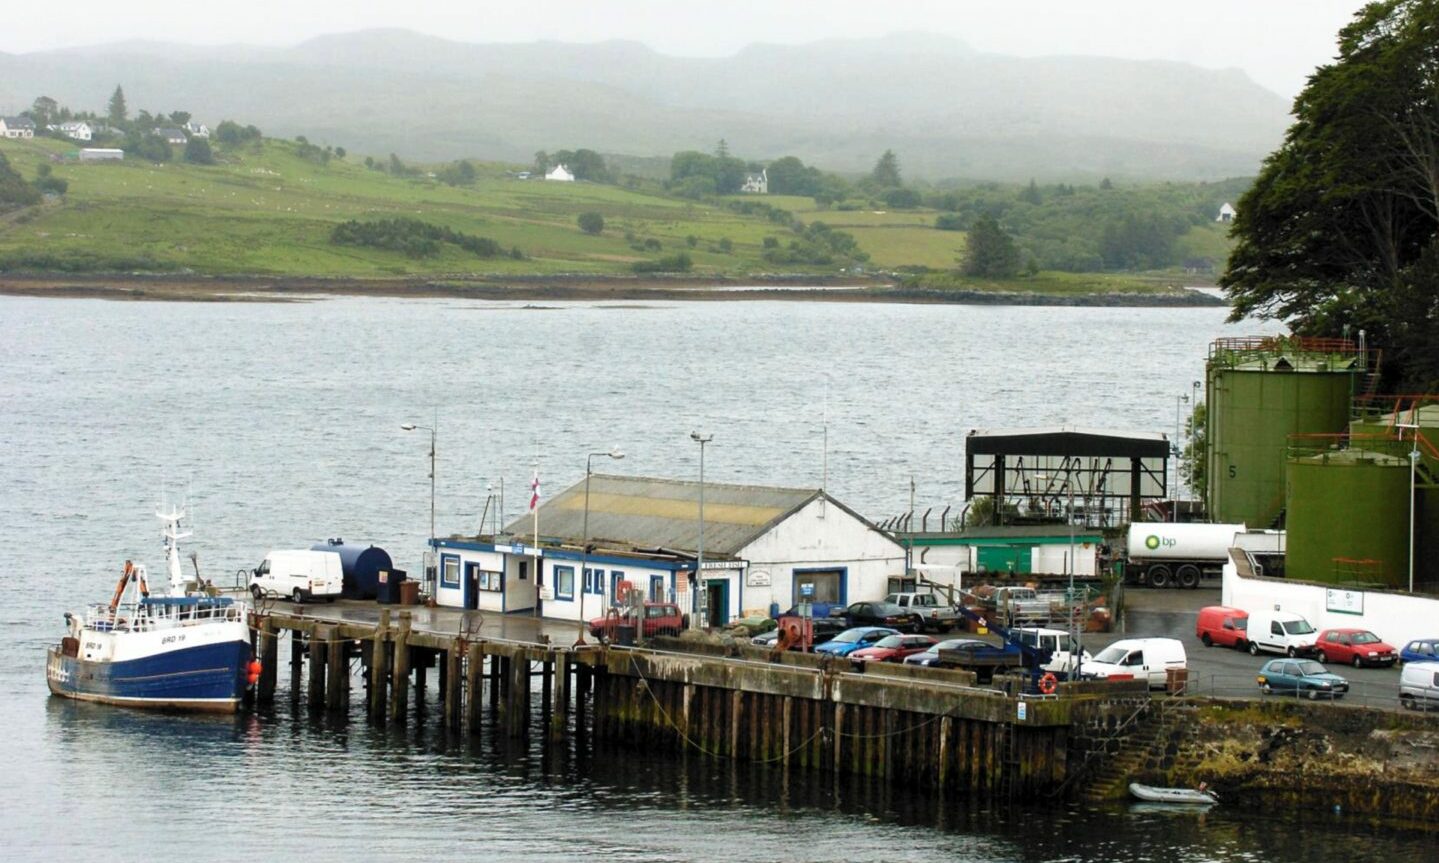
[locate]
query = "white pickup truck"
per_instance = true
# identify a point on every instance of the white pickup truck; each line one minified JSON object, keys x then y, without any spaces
{"x":931,"y":612}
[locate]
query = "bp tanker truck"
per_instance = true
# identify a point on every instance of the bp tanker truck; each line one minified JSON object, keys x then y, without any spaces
{"x":1168,"y":554}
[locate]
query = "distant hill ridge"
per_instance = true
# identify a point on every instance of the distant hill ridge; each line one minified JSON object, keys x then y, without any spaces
{"x":947,"y":110}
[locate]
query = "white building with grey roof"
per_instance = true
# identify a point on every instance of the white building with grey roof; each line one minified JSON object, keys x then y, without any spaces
{"x":764,"y":546}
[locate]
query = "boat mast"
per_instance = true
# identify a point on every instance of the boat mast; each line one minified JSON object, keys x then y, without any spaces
{"x":173,"y":536}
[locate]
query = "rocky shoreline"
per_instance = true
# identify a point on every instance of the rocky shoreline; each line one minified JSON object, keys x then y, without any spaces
{"x":193,"y":288}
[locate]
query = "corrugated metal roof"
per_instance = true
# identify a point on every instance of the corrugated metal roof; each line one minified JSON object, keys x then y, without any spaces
{"x":1066,"y":440}
{"x":645,"y":512}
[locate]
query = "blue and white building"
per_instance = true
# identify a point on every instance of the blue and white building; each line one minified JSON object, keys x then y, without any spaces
{"x":763,"y":547}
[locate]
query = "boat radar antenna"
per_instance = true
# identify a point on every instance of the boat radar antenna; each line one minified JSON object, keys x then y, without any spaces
{"x":173,"y":535}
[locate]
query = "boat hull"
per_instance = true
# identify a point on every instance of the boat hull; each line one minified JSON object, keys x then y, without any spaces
{"x":208,"y":678}
{"x":1188,"y":796}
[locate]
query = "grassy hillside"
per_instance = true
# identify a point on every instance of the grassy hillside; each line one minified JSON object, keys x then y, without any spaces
{"x":266,"y":210}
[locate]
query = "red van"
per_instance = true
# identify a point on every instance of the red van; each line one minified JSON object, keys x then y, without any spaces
{"x":1222,"y":625}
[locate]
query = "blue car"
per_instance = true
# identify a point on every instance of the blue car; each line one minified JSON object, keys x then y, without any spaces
{"x":1300,"y":677}
{"x":850,"y":640}
{"x":1420,"y":650}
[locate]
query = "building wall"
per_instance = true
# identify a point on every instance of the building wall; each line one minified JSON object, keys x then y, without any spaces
{"x":819,"y":536}
{"x":452,"y":595}
{"x":1394,"y":616}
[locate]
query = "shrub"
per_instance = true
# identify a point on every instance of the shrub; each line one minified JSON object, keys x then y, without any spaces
{"x":591,"y":222}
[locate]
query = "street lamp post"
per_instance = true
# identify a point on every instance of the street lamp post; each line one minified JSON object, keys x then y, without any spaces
{"x":701,"y":439}
{"x":616,"y":454}
{"x":1174,"y":504}
{"x":1413,"y":482}
{"x":431,"y":430}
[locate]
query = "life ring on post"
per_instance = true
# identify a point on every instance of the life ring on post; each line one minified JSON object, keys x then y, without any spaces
{"x":1048,"y":683}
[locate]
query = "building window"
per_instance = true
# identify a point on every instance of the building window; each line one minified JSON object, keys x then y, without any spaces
{"x":449,"y":571}
{"x":494,"y":581}
{"x":657,"y":588}
{"x":595,"y":581}
{"x":565,"y":582}
{"x":616,"y":576}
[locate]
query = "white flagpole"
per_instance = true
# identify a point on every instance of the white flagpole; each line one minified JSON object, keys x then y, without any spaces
{"x":535,"y":549}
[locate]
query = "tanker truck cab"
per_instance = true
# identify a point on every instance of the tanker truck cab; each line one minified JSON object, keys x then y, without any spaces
{"x":1147,"y":659}
{"x":1280,"y":632}
{"x":298,"y":575}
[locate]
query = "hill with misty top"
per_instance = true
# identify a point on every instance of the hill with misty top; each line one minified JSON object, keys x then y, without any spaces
{"x":947,"y":110}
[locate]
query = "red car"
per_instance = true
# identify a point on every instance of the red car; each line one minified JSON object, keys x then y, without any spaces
{"x":893,"y":648}
{"x":661,"y":618}
{"x":1354,"y":646}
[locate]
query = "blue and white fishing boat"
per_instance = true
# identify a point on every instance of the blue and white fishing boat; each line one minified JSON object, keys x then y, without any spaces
{"x":187,"y":650}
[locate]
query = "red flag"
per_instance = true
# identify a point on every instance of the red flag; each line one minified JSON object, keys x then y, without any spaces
{"x":535,"y":491}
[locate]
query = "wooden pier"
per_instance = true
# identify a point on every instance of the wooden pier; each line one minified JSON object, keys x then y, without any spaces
{"x":926,"y":727}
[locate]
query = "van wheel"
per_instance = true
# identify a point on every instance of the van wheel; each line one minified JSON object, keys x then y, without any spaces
{"x":256,"y":592}
{"x":1253,"y":649}
{"x":1407,"y":702}
{"x":1188,"y":576}
{"x":1159,"y":576}
{"x":296,"y":596}
{"x":1291,"y":653}
{"x":1208,"y":642}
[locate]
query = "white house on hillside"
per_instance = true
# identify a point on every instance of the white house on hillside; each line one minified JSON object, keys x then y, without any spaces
{"x":764,"y":547}
{"x":171,"y":135}
{"x":77,"y":130}
{"x":1226,"y":213}
{"x":756,"y":184}
{"x":17,"y":127}
{"x":560,"y":173}
{"x":197,"y":130}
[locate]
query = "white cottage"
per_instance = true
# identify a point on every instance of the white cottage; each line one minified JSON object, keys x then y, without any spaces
{"x":1226,"y":213}
{"x":756,"y":184}
{"x":764,"y":547}
{"x":17,"y":127}
{"x":560,"y":173}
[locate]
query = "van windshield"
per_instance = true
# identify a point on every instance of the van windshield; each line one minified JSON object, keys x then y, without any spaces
{"x":1298,"y":627}
{"x":1112,"y":654}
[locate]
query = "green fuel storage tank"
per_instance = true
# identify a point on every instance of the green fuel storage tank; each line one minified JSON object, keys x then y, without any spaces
{"x":1387,"y":418}
{"x":1348,"y":517}
{"x":1259,"y":392}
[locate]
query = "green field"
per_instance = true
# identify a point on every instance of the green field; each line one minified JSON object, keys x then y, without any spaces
{"x":264,"y":210}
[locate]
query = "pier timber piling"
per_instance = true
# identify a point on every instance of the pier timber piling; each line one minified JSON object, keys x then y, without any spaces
{"x":925,"y":727}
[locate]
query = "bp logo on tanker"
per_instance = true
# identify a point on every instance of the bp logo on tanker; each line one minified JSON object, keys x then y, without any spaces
{"x":1151,"y":542}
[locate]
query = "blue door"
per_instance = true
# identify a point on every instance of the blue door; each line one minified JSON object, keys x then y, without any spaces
{"x":717,"y":597}
{"x":657,"y":588}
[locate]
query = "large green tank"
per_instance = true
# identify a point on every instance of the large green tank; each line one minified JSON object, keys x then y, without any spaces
{"x":1348,"y":517}
{"x":1259,"y":392}
{"x":1382,"y":422}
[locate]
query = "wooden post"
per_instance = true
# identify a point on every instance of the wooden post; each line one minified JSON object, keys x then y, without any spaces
{"x":582,"y":695}
{"x":736,"y":715}
{"x":787,"y":712}
{"x":518,"y":698}
{"x":547,"y":671}
{"x":269,"y":655}
{"x":839,"y":738}
{"x":297,"y":663}
{"x":946,"y":729}
{"x":453,"y":659}
{"x":400,"y":673}
{"x":337,"y":667}
{"x":559,"y":713}
{"x":474,"y":686}
{"x":378,"y":667}
{"x":318,"y":636}
{"x":420,"y":663}
{"x":497,"y":663}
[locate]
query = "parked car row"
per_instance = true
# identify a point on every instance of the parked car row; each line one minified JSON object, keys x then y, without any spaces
{"x":1290,"y":634}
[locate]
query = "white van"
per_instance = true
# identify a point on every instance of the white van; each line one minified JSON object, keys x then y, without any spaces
{"x":299,"y":575}
{"x":1059,"y":643}
{"x":1146,"y":659}
{"x":1419,"y":685}
{"x":1280,"y":632}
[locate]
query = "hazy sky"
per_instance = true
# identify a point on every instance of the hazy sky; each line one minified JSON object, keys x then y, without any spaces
{"x":1278,"y":42}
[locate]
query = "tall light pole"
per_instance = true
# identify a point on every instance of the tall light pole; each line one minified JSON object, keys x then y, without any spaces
{"x":1413,"y":482}
{"x":616,"y":454}
{"x":431,"y":430}
{"x":1174,"y":504}
{"x":701,"y":439}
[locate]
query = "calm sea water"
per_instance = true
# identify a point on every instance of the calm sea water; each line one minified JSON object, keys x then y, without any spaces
{"x":280,"y":425}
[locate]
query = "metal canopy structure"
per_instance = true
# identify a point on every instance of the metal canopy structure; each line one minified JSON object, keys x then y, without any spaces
{"x":1030,"y":473}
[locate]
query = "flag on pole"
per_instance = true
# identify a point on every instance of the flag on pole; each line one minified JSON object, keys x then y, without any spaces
{"x":535,"y":491}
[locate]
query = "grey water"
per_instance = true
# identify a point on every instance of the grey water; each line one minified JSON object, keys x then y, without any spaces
{"x":279,"y":425}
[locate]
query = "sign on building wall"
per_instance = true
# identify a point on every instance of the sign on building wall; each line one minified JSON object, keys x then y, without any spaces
{"x":1344,"y":601}
{"x":757,"y":578}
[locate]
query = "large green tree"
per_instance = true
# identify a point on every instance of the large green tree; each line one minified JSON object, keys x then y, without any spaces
{"x":886,"y":171}
{"x":117,"y":112}
{"x":991,"y":253}
{"x":1341,"y":228}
